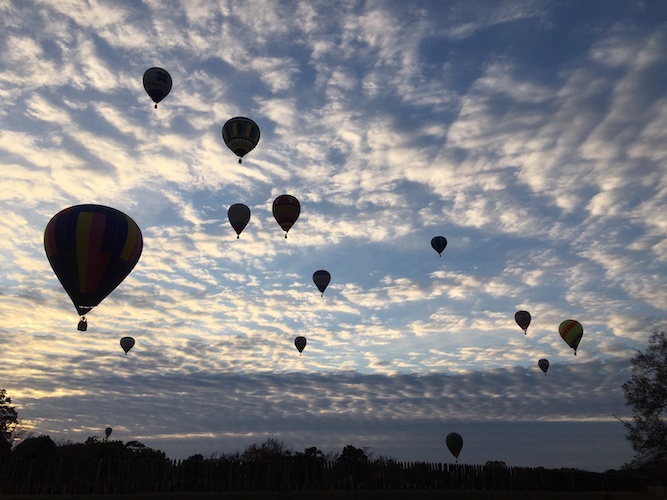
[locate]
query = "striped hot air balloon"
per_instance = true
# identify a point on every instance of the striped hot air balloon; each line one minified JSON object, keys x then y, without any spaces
{"x":91,"y":248}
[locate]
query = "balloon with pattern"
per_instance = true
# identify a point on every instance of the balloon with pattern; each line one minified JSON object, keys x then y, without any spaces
{"x":571,"y":331}
{"x":157,"y":83}
{"x":91,"y":248}
{"x":108,"y":431}
{"x":241,"y":135}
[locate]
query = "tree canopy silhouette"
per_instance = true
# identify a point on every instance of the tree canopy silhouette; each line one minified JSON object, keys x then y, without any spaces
{"x":646,"y":393}
{"x":8,"y":422}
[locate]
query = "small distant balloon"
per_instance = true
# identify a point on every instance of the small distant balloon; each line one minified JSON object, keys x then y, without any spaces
{"x":571,"y":331}
{"x":286,"y":210}
{"x":108,"y":431}
{"x":157,"y":83}
{"x":439,"y":243}
{"x":321,"y":279}
{"x":241,"y":135}
{"x":300,"y":343}
{"x":522,"y":319}
{"x":544,"y":365}
{"x":454,"y":443}
{"x":127,"y":343}
{"x":239,"y":216}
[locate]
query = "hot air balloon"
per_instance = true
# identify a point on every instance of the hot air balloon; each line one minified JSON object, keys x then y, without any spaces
{"x":300,"y":343}
{"x":157,"y":83}
{"x":127,"y":343}
{"x":522,"y":319}
{"x":108,"y":431}
{"x":454,"y":443}
{"x":241,"y":135}
{"x":286,"y":210}
{"x":544,"y":365}
{"x":439,"y":243}
{"x":321,"y":279}
{"x":238,"y":215}
{"x":571,"y":331}
{"x":91,"y":248}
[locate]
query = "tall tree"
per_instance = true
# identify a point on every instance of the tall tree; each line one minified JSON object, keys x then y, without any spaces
{"x":646,"y":393}
{"x":8,"y":422}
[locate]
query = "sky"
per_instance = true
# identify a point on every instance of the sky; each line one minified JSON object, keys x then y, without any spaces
{"x":530,"y":134}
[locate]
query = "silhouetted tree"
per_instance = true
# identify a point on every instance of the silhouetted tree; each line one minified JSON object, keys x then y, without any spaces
{"x":351,"y":454}
{"x":271,"y":449}
{"x":646,"y":393}
{"x":8,"y":423}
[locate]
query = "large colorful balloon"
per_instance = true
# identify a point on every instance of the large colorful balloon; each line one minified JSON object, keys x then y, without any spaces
{"x":91,"y":248}
{"x":286,"y":210}
{"x":439,"y":243}
{"x":571,"y":331}
{"x":522,"y":319}
{"x":108,"y":431}
{"x":241,"y":135}
{"x":543,"y":364}
{"x":300,"y":343}
{"x":127,"y":343}
{"x":238,"y":215}
{"x":454,"y":443}
{"x":321,"y":279}
{"x":157,"y":83}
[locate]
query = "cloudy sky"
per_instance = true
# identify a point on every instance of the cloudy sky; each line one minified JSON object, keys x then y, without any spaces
{"x":531,"y":134}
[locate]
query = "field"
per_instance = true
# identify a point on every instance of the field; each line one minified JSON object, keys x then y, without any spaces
{"x":651,"y":494}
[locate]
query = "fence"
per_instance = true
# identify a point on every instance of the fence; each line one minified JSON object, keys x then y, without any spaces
{"x":127,"y":476}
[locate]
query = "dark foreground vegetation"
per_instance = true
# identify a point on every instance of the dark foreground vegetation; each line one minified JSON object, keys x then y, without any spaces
{"x":38,"y":466}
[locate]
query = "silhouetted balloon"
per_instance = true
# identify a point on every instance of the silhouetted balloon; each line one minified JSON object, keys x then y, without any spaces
{"x":321,"y":279}
{"x":241,"y":135}
{"x":544,"y":365}
{"x":157,"y":83}
{"x":238,"y":215}
{"x":439,"y":243}
{"x":286,"y":210}
{"x":300,"y":343}
{"x":127,"y":343}
{"x":571,"y":331}
{"x":91,"y":248}
{"x":454,"y":443}
{"x":522,"y":319}
{"x":108,"y":431}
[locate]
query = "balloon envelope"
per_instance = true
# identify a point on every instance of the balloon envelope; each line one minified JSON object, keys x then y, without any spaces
{"x":300,"y":343}
{"x":238,"y":215}
{"x":454,"y":443}
{"x":127,"y":343}
{"x":91,"y":248}
{"x":321,"y":279}
{"x":439,"y":243}
{"x":522,"y":319}
{"x":107,"y":431}
{"x":241,"y":135}
{"x":543,"y":364}
{"x":571,"y":331}
{"x":286,"y":210}
{"x":157,"y":83}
